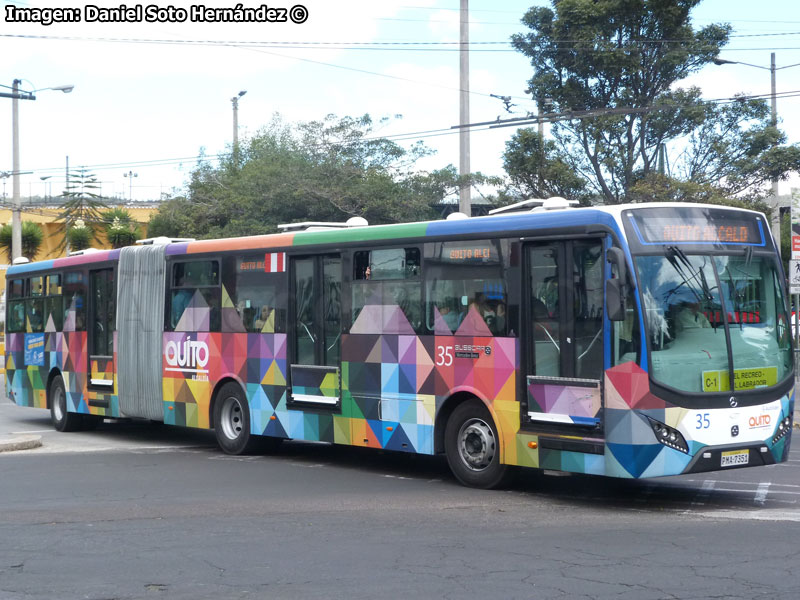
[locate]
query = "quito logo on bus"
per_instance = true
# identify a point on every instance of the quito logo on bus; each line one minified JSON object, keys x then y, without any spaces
{"x":187,"y":356}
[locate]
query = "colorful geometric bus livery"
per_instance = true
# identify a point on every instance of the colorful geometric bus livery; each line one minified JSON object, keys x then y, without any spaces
{"x":398,"y":375}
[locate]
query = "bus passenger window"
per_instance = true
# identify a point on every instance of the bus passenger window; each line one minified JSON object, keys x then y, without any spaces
{"x":195,"y":302}
{"x":54,"y":303}
{"x":74,"y":302}
{"x":388,"y":277}
{"x":466,"y":291}
{"x":258,"y":295}
{"x":15,"y":321}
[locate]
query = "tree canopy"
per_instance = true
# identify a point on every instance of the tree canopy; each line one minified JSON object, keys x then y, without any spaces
{"x":608,"y":70}
{"x":327,"y":170}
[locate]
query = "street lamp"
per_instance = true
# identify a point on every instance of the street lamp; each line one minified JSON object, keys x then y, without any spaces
{"x":235,"y":102}
{"x":16,"y":212}
{"x":776,"y":217}
{"x":130,"y":175}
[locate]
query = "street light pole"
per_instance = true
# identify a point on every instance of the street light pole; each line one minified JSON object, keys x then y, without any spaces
{"x":16,"y":203}
{"x":130,"y":175}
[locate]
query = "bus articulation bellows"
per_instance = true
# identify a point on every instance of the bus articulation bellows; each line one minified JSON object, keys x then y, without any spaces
{"x":628,"y":341}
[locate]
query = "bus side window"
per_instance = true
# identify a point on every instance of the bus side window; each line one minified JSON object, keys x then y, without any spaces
{"x":258,"y":295}
{"x":74,"y":302}
{"x":54,"y":302}
{"x":195,"y":286}
{"x":34,"y":305}
{"x":388,"y":277}
{"x":15,"y":321}
{"x":466,"y":284}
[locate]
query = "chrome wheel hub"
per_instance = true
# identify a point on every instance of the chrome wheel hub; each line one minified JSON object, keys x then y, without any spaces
{"x":476,"y":444}
{"x":231,"y":418}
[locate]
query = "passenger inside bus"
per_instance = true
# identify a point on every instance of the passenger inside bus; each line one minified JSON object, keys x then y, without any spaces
{"x":449,"y":316}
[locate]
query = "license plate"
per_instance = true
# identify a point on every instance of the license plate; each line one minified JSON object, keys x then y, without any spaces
{"x":735,"y":457}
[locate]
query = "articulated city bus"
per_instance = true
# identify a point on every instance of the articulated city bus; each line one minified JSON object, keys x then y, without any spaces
{"x":627,"y":341}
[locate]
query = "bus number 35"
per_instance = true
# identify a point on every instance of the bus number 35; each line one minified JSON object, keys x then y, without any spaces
{"x":444,"y":356}
{"x":703,"y":422}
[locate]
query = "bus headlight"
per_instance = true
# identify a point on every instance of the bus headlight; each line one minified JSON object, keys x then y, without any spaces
{"x":669,"y":436}
{"x":784,"y":427}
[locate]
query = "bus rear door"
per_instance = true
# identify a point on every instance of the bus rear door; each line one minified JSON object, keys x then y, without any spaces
{"x":101,"y":325}
{"x":316,"y":330}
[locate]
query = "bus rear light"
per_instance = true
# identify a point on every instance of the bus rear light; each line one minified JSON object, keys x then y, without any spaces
{"x":669,"y":436}
{"x":533,"y":445}
{"x":784,"y":427}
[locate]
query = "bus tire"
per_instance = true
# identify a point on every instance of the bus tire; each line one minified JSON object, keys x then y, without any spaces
{"x":61,"y":418}
{"x":232,"y":420}
{"x":473,"y":449}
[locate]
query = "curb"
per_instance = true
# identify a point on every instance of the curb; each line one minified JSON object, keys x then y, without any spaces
{"x":23,"y":442}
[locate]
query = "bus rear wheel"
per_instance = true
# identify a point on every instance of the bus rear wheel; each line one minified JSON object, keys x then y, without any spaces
{"x":61,"y":418}
{"x":473,"y":449}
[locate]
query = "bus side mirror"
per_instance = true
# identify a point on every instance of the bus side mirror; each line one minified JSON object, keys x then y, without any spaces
{"x":616,"y":289}
{"x":615,"y":300}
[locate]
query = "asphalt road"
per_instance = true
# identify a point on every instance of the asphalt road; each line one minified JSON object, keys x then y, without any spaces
{"x":140,"y":511}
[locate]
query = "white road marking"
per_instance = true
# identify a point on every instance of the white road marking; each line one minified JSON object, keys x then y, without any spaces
{"x":753,"y":515}
{"x":761,"y":492}
{"x":704,"y":493}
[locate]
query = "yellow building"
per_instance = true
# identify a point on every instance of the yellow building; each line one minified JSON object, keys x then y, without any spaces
{"x":53,"y":231}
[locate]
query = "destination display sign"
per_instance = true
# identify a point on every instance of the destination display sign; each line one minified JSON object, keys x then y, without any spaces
{"x":718,"y":228}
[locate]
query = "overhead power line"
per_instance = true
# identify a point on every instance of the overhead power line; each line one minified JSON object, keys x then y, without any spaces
{"x":432,"y":133}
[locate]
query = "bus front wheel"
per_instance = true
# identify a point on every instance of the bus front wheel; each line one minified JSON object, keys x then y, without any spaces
{"x":61,"y":418}
{"x":473,"y":449}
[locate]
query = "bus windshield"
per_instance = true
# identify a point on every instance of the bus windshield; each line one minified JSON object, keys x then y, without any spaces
{"x":707,"y":313}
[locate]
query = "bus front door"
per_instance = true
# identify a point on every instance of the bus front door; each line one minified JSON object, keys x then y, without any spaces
{"x":315,"y":331}
{"x":100,"y":342}
{"x":563,"y":310}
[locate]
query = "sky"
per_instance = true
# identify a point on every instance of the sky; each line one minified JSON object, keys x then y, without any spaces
{"x":149,"y":98}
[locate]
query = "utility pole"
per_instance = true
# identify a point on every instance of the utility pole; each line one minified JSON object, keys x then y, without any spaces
{"x":464,"y":199}
{"x":776,"y":212}
{"x":235,"y":102}
{"x":16,"y":202}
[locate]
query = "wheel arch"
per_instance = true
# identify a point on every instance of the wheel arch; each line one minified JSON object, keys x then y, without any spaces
{"x":447,"y":408}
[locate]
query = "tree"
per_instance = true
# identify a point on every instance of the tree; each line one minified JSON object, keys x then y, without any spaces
{"x":326,"y":170}
{"x":537,"y":168}
{"x":32,"y":237}
{"x":79,"y":236}
{"x":610,"y":56}
{"x":120,"y":228}
{"x":80,"y":201}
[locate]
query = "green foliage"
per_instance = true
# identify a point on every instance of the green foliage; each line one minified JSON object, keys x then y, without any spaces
{"x":618,"y":62}
{"x":79,"y":236}
{"x":328,"y":170}
{"x":121,"y":230}
{"x":32,"y":237}
{"x":80,"y":201}
{"x":537,"y":168}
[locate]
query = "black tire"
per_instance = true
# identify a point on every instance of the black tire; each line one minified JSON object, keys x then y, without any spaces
{"x":57,"y":398}
{"x":232,"y":420}
{"x":473,"y":448}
